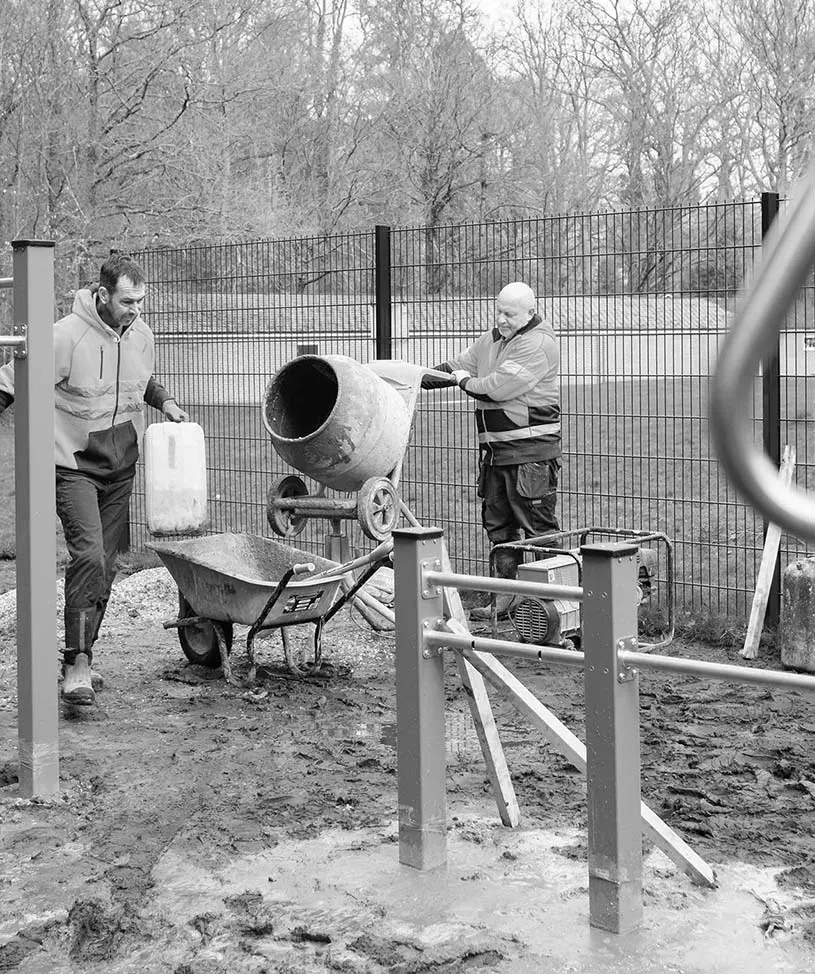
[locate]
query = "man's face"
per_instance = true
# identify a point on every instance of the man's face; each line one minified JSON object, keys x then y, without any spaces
{"x":124,"y":304}
{"x":512,"y":315}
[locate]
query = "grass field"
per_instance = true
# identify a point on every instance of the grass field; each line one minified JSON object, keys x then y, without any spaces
{"x":637,"y":455}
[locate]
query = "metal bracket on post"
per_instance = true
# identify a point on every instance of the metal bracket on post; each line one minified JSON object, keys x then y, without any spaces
{"x":626,"y":673}
{"x":21,"y":348}
{"x":432,"y":625}
{"x":429,"y":590}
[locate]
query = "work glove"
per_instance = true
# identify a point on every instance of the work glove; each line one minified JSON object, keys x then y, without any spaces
{"x":461,"y":375}
{"x":430,"y":381}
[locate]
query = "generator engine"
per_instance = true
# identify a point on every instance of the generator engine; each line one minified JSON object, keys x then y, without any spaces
{"x":550,"y":622}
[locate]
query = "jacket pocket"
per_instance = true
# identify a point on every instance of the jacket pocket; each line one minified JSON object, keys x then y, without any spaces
{"x":537,"y":480}
{"x":109,"y":453}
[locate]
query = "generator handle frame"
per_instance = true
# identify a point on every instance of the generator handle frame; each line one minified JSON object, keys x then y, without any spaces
{"x":543,"y":545}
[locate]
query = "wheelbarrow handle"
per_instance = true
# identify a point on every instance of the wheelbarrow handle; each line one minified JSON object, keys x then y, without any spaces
{"x":785,"y":264}
{"x":379,"y":553}
{"x":303,"y":569}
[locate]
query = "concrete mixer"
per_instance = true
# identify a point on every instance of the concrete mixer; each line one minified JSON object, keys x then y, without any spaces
{"x":346,"y":425}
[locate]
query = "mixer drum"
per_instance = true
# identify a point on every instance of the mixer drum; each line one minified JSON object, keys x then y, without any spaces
{"x":335,"y":420}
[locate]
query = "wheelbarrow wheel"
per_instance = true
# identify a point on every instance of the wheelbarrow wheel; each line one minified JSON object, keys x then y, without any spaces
{"x":378,"y":508}
{"x":199,"y":640}
{"x":285,"y":523}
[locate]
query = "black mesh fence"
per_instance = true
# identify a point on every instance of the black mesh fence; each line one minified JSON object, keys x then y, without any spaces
{"x":641,"y":301}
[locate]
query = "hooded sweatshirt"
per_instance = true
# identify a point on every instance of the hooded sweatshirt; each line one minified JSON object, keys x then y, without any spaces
{"x":101,"y":380}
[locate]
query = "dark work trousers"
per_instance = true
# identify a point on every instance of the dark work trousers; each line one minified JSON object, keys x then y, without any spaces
{"x":518,"y":501}
{"x":94,"y":516}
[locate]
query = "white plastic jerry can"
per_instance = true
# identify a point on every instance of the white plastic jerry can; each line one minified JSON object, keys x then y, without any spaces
{"x":175,"y":478}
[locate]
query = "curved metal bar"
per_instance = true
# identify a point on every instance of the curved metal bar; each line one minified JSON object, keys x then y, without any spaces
{"x":786,"y":261}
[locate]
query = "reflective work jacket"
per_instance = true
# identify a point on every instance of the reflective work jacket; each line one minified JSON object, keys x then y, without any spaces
{"x":516,"y":387}
{"x":101,"y":382}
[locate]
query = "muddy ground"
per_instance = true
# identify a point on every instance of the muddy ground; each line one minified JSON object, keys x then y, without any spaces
{"x":196,"y":822}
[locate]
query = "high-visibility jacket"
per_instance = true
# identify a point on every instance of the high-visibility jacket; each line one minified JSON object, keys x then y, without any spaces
{"x":101,"y":382}
{"x":516,"y":386}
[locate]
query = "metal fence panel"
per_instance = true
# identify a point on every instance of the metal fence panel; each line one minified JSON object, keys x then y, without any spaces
{"x":226,"y":317}
{"x":641,"y":301}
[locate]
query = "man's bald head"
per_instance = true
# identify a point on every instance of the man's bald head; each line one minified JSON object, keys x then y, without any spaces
{"x":515,"y":306}
{"x":520,"y":294}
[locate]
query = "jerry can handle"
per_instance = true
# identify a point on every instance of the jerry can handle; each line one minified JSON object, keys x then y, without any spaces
{"x":787,"y":258}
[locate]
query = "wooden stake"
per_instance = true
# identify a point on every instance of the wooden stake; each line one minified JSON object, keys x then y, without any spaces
{"x":767,"y":567}
{"x":479,"y":701}
{"x":481,"y":710}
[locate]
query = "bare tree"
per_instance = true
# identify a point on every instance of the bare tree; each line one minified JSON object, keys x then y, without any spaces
{"x":551,"y":101}
{"x":766,"y":70}
{"x":656,"y":100}
{"x":429,"y":94}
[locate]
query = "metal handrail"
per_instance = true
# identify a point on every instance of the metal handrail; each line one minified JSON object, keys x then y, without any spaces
{"x":485,"y":583}
{"x":787,"y":259}
{"x":12,"y":341}
{"x":717,"y":671}
{"x":438,"y":639}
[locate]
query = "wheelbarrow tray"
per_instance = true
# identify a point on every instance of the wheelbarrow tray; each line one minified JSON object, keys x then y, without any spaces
{"x":230,"y":578}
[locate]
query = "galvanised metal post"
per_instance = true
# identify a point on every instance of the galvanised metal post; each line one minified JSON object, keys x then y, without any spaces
{"x":38,"y":718}
{"x":612,"y":737}
{"x":771,"y":415}
{"x":382,"y":285}
{"x":420,"y":745}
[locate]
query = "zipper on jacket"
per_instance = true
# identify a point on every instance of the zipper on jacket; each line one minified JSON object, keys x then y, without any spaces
{"x":101,"y":361}
{"x":118,"y":370}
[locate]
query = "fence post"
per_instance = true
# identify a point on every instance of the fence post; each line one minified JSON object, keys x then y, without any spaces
{"x":612,"y":737}
{"x":420,"y":745}
{"x":382,"y":284}
{"x":35,"y":508}
{"x":771,"y":414}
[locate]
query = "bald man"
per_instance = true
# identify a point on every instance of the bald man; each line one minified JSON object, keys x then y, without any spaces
{"x":512,"y":373}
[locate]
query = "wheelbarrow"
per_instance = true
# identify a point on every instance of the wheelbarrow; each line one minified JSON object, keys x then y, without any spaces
{"x":346,"y":425}
{"x":224,"y":579}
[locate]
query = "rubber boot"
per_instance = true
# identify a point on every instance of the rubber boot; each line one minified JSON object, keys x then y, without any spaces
{"x":506,"y":566}
{"x":97,"y":680}
{"x":81,"y":628}
{"x":100,"y":615}
{"x":77,"y":688}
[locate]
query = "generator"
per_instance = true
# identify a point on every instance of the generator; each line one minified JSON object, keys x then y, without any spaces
{"x":550,"y":622}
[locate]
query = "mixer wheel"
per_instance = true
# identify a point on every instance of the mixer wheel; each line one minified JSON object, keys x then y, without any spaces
{"x":378,"y":508}
{"x":284,"y":522}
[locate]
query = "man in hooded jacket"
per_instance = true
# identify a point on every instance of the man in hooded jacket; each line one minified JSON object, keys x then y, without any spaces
{"x":104,"y":354}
